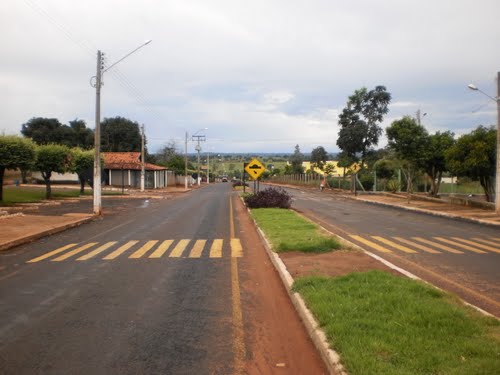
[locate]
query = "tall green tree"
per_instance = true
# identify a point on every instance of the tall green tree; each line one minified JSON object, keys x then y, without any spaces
{"x":82,"y":163}
{"x":409,"y":140}
{"x":49,"y":159}
{"x":15,"y":152}
{"x":434,"y":163}
{"x":319,"y":157}
{"x":296,"y":160}
{"x":83,"y":137}
{"x":119,"y":134}
{"x":474,"y":156}
{"x":359,"y":121}
{"x":42,"y":130}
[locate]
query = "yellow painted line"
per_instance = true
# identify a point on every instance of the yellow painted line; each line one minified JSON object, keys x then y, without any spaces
{"x":236,"y":248}
{"x":54,"y":252}
{"x":160,"y":250}
{"x":179,"y":249}
{"x":480,"y":245}
{"x":465,"y":247}
{"x":394,"y":245}
{"x":120,"y":250}
{"x":99,"y":250}
{"x":216,"y":249}
{"x":416,"y":245}
{"x":371,"y":244}
{"x":74,"y":252}
{"x":197,"y":249}
{"x":438,"y":245}
{"x":491,"y":243}
{"x":231,"y":219}
{"x":144,"y":249}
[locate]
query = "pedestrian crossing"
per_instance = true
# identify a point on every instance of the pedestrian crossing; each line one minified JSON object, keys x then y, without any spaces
{"x":430,"y":245}
{"x":151,"y":249}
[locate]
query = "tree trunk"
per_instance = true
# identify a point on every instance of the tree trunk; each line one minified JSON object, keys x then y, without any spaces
{"x":2,"y":172}
{"x":409,"y":185}
{"x":487,"y":185}
{"x":82,"y":185}
{"x":48,"y":189}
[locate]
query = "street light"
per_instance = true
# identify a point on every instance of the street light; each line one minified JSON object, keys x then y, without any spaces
{"x":185,"y":153}
{"x":97,"y":133}
{"x":497,"y":177}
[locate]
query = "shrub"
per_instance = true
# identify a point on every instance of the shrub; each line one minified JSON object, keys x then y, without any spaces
{"x":269,"y":198}
{"x":393,"y":186}
{"x":239,"y":183}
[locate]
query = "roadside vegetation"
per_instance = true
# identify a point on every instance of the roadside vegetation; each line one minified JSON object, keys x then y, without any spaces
{"x":287,"y":231}
{"x":385,"y":324}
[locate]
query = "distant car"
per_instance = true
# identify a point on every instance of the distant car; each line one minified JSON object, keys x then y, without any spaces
{"x":224,"y":178}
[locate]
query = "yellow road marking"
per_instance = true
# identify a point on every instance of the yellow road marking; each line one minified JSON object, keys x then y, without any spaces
{"x":99,"y":250}
{"x":120,"y":250}
{"x":370,"y":244}
{"x":416,"y":245}
{"x":480,"y":245}
{"x":439,"y":246}
{"x":158,"y":253}
{"x":179,"y":249}
{"x":216,"y":249}
{"x":394,"y":245}
{"x":144,"y":249}
{"x":54,"y":252}
{"x":197,"y":249}
{"x":470,"y":248}
{"x":236,"y":248}
{"x":74,"y":252}
{"x":488,"y":243}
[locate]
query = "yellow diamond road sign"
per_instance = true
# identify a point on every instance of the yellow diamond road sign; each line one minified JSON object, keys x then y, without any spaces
{"x":254,"y":169}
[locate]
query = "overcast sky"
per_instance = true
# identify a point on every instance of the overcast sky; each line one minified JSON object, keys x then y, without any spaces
{"x":262,"y":76}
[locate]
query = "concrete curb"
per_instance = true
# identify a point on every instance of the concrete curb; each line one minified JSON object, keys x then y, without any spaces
{"x":45,"y":233}
{"x":330,"y":358}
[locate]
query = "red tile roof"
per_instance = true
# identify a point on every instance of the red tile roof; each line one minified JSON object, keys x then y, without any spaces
{"x":127,"y":160}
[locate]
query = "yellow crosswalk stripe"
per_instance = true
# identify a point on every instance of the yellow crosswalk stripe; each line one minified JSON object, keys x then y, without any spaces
{"x":197,"y":249}
{"x":99,"y":250}
{"x":54,"y":252}
{"x":69,"y":254}
{"x":371,"y":244}
{"x":416,"y":245}
{"x":437,"y":245}
{"x":160,"y":250}
{"x":236,"y":248}
{"x":454,"y":243}
{"x":179,"y":249}
{"x":216,"y":249}
{"x":144,"y":249}
{"x":486,"y":242}
{"x":480,"y":245}
{"x":394,"y":245}
{"x":120,"y":250}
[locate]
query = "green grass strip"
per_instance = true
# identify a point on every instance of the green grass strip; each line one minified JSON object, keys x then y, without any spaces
{"x":287,"y":231}
{"x":383,"y":324}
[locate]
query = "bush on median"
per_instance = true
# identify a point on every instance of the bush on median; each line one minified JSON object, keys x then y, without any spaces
{"x":269,"y":198}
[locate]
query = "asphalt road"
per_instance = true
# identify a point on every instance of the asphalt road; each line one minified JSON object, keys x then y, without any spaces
{"x":169,"y":286}
{"x":458,"y":256}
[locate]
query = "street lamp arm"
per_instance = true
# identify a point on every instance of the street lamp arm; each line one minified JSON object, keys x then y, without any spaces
{"x":127,"y":55}
{"x":475,"y":88}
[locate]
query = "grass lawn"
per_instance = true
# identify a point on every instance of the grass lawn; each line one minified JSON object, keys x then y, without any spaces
{"x":288,"y":231}
{"x":384,"y":324}
{"x":32,"y":194}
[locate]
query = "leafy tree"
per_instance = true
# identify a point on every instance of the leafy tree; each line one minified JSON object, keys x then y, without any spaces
{"x":474,"y":156}
{"x":319,"y":156}
{"x":296,"y":160}
{"x":385,"y":169}
{"x":83,"y":137}
{"x":359,"y":129}
{"x":434,"y":163}
{"x":83,"y":165}
{"x":15,"y":152}
{"x":52,"y":158}
{"x":409,"y":141}
{"x":42,"y":130}
{"x":119,"y":134}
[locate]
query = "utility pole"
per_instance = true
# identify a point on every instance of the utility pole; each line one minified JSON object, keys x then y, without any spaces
{"x":97,"y":136}
{"x":143,"y":172}
{"x":186,"y":161}
{"x":497,"y":177}
{"x":198,"y":138}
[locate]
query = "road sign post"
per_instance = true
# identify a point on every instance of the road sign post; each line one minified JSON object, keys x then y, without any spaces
{"x":254,"y":170}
